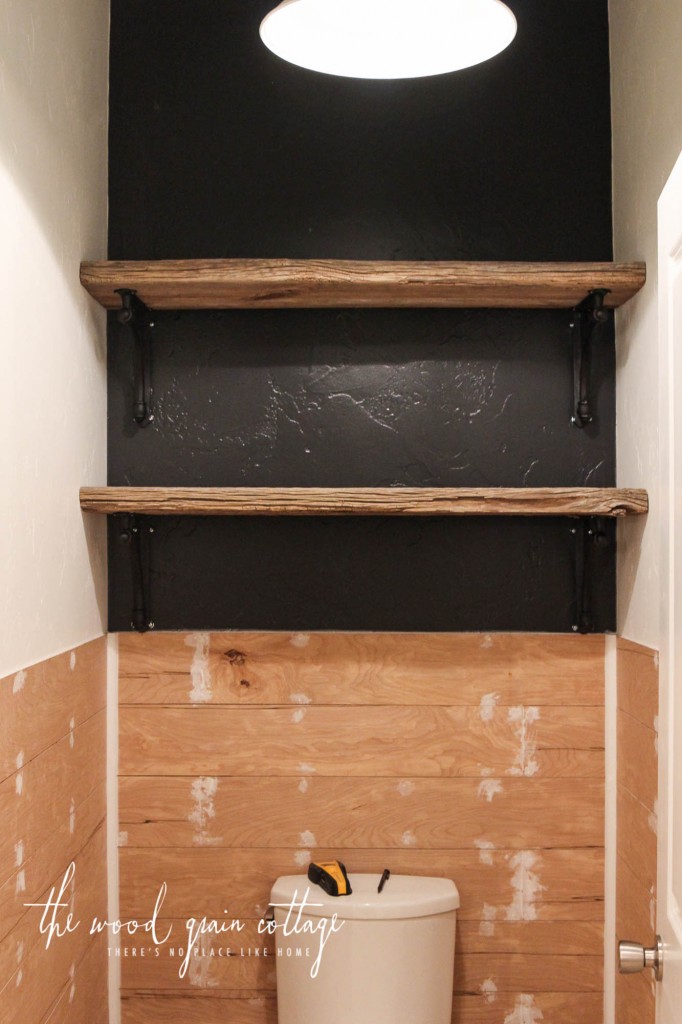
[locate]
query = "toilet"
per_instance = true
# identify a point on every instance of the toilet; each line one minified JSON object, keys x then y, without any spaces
{"x":384,"y":958}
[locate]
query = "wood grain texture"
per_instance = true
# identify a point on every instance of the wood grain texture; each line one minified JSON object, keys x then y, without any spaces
{"x":571,"y":879}
{"x":366,"y":501}
{"x":310,"y":669}
{"x":219,"y":1008}
{"x":281,"y":283}
{"x":40,"y":704}
{"x":478,"y":758}
{"x":52,"y":803}
{"x":637,"y":669}
{"x":267,"y":812}
{"x":385,"y":741}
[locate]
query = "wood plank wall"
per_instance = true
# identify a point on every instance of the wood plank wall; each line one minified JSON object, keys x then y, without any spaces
{"x":637,"y":809}
{"x":52,"y":808}
{"x":476,"y":757}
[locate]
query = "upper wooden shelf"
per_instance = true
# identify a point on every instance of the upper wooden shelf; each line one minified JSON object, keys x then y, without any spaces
{"x":279,"y":284}
{"x":366,"y":501}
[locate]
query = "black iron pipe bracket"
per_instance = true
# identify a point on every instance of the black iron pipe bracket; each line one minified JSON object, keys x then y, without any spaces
{"x":138,"y":317}
{"x":587,"y":318}
{"x":589,"y":534}
{"x":137,"y":533}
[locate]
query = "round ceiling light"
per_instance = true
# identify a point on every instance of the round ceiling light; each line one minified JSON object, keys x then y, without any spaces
{"x":388,"y":38}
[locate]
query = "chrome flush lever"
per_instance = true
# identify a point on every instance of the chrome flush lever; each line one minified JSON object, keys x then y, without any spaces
{"x":633,"y":958}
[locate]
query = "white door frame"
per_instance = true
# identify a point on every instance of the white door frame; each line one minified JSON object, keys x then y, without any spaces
{"x":670,"y":737}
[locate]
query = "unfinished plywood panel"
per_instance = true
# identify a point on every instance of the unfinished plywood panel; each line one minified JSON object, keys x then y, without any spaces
{"x":477,"y":757}
{"x":637,"y":821}
{"x":52,"y":803}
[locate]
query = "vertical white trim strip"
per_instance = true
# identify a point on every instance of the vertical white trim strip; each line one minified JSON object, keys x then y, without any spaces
{"x":112,"y":825}
{"x":610,"y":836}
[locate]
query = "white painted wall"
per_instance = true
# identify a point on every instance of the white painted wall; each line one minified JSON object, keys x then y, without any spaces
{"x":646,"y":73}
{"x":53,"y":207}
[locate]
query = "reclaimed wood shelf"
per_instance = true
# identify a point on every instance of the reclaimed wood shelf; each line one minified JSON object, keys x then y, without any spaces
{"x":366,"y":501}
{"x":283,"y":283}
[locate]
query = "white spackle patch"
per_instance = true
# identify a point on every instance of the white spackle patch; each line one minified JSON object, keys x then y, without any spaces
{"x":72,"y":816}
{"x":19,"y":853}
{"x":306,"y":769}
{"x":524,"y":763}
{"x":19,"y":681}
{"x":199,"y":969}
{"x":20,"y":978}
{"x":300,"y":640}
{"x":485,"y":851}
{"x":525,"y":1011}
{"x":203,"y":839}
{"x":408,"y":838}
{"x":656,"y":659}
{"x":202,"y":793}
{"x":406,"y":787}
{"x":489,"y":788}
{"x":300,"y":698}
{"x":526,"y":886}
{"x":200,"y":672}
{"x":489,"y":990}
{"x":487,"y":926}
{"x":20,"y":952}
{"x":20,"y":885}
{"x":652,"y":821}
{"x":656,"y":734}
{"x":307,"y":839}
{"x":123,"y":839}
{"x":487,"y":772}
{"x":303,"y":785}
{"x":302,"y":858}
{"x":489,"y":702}
{"x":72,"y":732}
{"x":72,"y":660}
{"x":487,"y":642}
{"x":298,"y":716}
{"x":72,"y":975}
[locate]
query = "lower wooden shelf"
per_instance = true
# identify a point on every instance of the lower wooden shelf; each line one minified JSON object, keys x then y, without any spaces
{"x":366,"y":501}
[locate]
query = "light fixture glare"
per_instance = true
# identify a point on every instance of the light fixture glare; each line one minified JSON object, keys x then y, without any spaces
{"x":388,"y":38}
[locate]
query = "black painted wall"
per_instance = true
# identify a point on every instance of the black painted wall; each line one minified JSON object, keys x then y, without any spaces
{"x":220,"y":149}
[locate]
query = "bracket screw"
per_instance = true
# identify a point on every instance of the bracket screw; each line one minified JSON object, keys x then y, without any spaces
{"x":574,"y":628}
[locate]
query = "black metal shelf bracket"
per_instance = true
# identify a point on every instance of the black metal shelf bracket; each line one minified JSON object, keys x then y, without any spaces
{"x":587,"y":318}
{"x":137,"y":533}
{"x":138,"y":317}
{"x":589,"y":534}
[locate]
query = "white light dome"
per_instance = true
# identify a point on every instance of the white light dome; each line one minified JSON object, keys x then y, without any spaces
{"x":388,"y":38}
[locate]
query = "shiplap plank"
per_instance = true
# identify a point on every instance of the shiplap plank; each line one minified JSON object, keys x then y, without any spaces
{"x":41,"y":796}
{"x":637,"y":839}
{"x":571,"y":879}
{"x":40,"y":974}
{"x":557,"y":1008}
{"x":638,"y":682}
{"x":638,"y":759}
{"x":41,"y":704}
{"x":432,"y":669}
{"x":252,"y":812}
{"x":383,"y":741}
{"x":37,"y":873}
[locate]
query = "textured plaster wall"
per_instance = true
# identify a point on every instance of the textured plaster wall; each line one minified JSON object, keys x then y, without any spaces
{"x":647,"y":137}
{"x":53,"y":206}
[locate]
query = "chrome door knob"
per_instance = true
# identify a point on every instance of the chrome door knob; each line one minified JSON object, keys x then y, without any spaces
{"x":633,"y":958}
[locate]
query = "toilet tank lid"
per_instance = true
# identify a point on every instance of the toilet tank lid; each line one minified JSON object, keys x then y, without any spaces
{"x":403,"y":896}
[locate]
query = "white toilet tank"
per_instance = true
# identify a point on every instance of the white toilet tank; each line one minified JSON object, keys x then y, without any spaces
{"x":390,"y":962}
